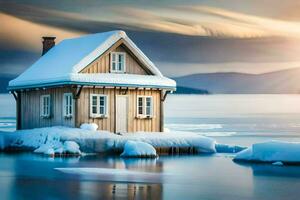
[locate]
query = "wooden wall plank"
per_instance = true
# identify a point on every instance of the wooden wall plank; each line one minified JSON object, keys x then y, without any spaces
{"x":102,"y":64}
{"x":30,"y":109}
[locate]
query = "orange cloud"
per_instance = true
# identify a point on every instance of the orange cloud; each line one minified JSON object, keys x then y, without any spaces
{"x":27,"y":35}
{"x":201,"y":21}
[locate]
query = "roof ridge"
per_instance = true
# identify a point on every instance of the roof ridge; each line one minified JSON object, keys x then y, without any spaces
{"x":71,"y":57}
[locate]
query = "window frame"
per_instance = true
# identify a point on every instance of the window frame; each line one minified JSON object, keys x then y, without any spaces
{"x":144,"y":107}
{"x":65,"y":114}
{"x":106,"y":107}
{"x":44,"y":114}
{"x":117,"y":62}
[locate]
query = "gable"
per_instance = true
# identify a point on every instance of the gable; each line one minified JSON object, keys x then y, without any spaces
{"x":102,"y":63}
{"x":64,"y":62}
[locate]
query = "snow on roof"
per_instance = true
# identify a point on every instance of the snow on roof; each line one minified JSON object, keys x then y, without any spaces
{"x":70,"y":56}
{"x":103,"y":79}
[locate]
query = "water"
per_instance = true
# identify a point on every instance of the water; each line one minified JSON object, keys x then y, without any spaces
{"x":7,"y":113}
{"x":27,"y":176}
{"x":234,"y":119}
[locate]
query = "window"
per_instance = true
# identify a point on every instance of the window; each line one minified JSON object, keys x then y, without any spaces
{"x":148,"y":106}
{"x":68,"y":105}
{"x":144,"y":106}
{"x":140,"y":106}
{"x":98,"y":105}
{"x":45,"y":105}
{"x":117,"y":62}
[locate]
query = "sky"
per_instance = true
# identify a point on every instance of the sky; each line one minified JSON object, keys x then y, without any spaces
{"x":180,"y":37}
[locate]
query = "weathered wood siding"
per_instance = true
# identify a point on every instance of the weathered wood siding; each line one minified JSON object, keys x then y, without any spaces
{"x":31,"y":114}
{"x":102,"y":64}
{"x":30,"y":109}
{"x":134,"y":124}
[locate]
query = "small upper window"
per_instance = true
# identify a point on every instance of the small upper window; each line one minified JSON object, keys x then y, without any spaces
{"x":117,"y":62}
{"x":68,"y":105}
{"x":98,"y":105}
{"x":45,"y":105}
{"x":144,"y":106}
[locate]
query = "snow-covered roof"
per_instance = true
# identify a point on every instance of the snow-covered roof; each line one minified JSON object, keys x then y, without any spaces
{"x":103,"y":79}
{"x":63,"y":62}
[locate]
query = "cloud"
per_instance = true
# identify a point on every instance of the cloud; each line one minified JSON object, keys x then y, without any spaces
{"x":193,"y":18}
{"x":26,"y":35}
{"x":14,"y":62}
{"x":241,"y":67}
{"x":263,"y":25}
{"x":188,"y":37}
{"x":206,"y":21}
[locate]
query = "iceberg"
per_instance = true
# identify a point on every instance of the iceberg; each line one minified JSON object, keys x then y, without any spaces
{"x":272,"y":152}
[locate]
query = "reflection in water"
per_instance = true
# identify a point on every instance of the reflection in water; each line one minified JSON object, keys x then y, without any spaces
{"x":148,"y":165}
{"x":267,"y":169}
{"x":276,"y":171}
{"x":39,"y":179}
{"x":275,"y":182}
{"x":67,"y":189}
{"x":28,"y":176}
{"x":120,"y":191}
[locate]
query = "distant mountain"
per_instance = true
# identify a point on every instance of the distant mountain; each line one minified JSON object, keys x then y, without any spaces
{"x":279,"y":82}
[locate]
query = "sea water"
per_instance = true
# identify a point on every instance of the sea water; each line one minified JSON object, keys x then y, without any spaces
{"x":232,"y":119}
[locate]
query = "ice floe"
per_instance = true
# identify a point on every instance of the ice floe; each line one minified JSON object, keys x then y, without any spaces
{"x":273,"y":151}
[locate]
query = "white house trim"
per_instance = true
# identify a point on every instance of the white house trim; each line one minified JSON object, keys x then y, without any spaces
{"x":144,"y":113}
{"x":67,"y":104}
{"x":45,"y":106}
{"x":117,"y":35}
{"x":116,"y":62}
{"x":98,"y":109}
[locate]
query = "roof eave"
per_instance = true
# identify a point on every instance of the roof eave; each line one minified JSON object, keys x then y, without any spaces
{"x":46,"y":85}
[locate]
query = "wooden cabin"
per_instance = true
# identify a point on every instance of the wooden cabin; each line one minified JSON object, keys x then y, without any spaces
{"x":101,"y":78}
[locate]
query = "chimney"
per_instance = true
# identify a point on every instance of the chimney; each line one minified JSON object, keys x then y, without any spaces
{"x":48,"y":43}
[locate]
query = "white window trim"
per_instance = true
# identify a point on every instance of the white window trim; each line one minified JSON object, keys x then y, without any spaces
{"x":45,"y":115}
{"x":111,"y":62}
{"x":68,"y":115}
{"x":98,"y":115}
{"x":144,"y":115}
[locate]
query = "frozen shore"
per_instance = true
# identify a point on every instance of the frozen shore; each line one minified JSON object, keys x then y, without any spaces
{"x":53,"y":140}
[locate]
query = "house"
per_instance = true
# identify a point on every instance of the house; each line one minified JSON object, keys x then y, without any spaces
{"x":101,"y":78}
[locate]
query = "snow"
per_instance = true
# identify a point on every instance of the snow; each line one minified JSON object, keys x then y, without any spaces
{"x":50,"y":152}
{"x":167,"y":130}
{"x":138,"y":149}
{"x":278,"y":163}
{"x":90,"y":127}
{"x":175,"y":139}
{"x":59,"y":150}
{"x":120,"y":175}
{"x":273,"y":151}
{"x":70,"y":56}
{"x":49,"y":148}
{"x":43,"y":148}
{"x":122,"y":79}
{"x":71,"y":147}
{"x":107,"y":79}
{"x":100,"y":141}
